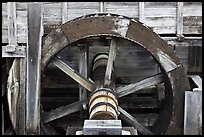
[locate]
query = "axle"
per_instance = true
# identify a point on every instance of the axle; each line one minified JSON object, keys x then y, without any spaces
{"x":103,"y":103}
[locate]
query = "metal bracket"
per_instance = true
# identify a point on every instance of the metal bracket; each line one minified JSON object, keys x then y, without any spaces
{"x":13,"y":51}
{"x":105,"y":127}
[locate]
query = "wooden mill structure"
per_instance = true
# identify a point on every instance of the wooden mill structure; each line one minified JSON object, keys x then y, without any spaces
{"x":101,"y":68}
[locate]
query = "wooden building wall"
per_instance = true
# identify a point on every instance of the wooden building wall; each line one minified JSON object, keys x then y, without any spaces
{"x":165,"y":18}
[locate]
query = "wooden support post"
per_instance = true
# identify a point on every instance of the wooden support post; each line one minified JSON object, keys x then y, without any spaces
{"x":12,"y":29}
{"x":35,"y":32}
{"x":141,"y":12}
{"x":179,"y":21}
{"x":64,"y":12}
{"x":12,"y":38}
{"x":21,"y":109}
{"x":101,"y":5}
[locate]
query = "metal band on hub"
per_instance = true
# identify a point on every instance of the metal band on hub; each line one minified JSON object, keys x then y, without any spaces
{"x":103,"y":104}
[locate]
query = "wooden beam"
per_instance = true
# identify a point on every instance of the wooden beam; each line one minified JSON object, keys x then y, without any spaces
{"x":12,"y":29}
{"x":20,"y":51}
{"x":101,"y":5}
{"x":179,"y":21}
{"x":111,"y":59}
{"x":193,"y":113}
{"x":64,"y":12}
{"x":35,"y":32}
{"x":86,"y":83}
{"x":21,"y":106}
{"x":141,"y":12}
{"x":83,"y":69}
{"x":123,"y":91}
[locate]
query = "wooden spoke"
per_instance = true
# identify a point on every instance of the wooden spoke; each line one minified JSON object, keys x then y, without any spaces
{"x":63,"y":111}
{"x":83,"y":81}
{"x":133,"y":122}
{"x":123,"y":91}
{"x":83,"y":68}
{"x":111,"y":58}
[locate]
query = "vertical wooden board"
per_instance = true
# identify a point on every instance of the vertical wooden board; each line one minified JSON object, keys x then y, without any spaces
{"x":12,"y":36}
{"x":4,"y":16}
{"x":179,"y":19}
{"x":161,"y":16}
{"x":77,"y":9}
{"x":35,"y":32}
{"x":193,"y":113}
{"x":4,"y":23}
{"x":129,"y":9}
{"x":21,"y":111}
{"x":64,"y":12}
{"x":141,"y":12}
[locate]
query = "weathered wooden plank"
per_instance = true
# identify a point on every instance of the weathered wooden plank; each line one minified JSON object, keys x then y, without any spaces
{"x":141,"y":12}
{"x":21,"y":108}
{"x":11,"y":8}
{"x":22,"y":29}
{"x":21,"y":6}
{"x":193,"y":113}
{"x":160,"y":21}
{"x":160,"y":12}
{"x":192,"y":21}
{"x":76,"y":9}
{"x":130,"y":9}
{"x":33,"y":85}
{"x":4,"y":17}
{"x":64,"y":12}
{"x":19,"y":52}
{"x":161,"y":17}
{"x":52,"y":13}
{"x":179,"y":20}
{"x":83,"y":68}
{"x":111,"y":59}
{"x":101,"y":7}
{"x":192,"y":25}
{"x":192,"y":9}
{"x":160,"y":4}
{"x":4,"y":36}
